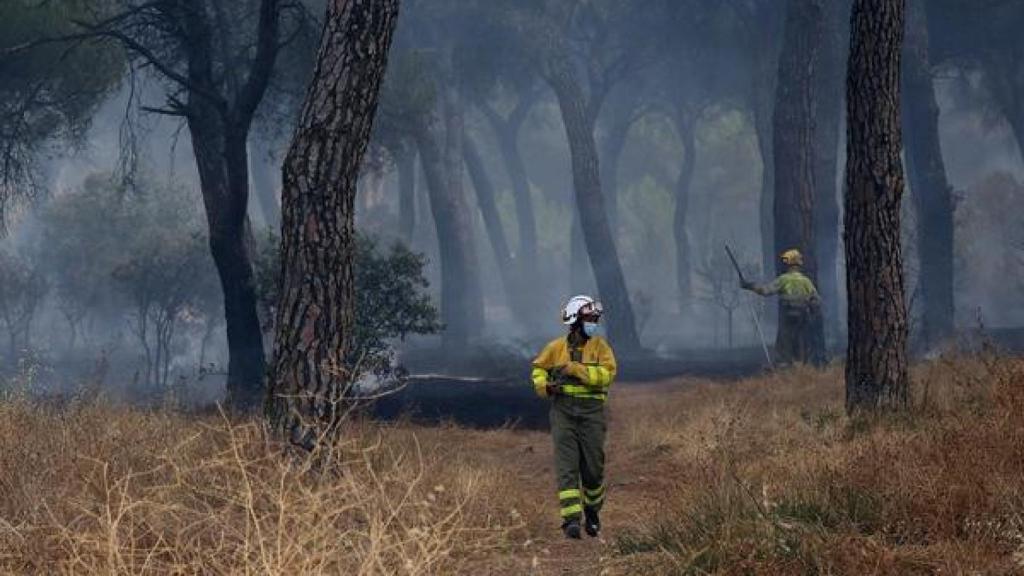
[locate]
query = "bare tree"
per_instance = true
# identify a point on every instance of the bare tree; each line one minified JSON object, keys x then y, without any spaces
{"x":876,"y":365}
{"x":163,"y":281}
{"x":721,"y":288}
{"x":217,"y":59}
{"x":316,"y":314}
{"x":22,"y":290}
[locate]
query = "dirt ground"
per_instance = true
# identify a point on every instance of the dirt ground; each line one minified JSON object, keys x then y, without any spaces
{"x":635,"y":484}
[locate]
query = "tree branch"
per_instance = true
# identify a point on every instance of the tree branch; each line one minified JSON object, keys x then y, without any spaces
{"x":262,"y":65}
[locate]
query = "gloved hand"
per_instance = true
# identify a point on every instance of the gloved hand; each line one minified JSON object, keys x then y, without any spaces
{"x":557,"y":373}
{"x":576,"y":370}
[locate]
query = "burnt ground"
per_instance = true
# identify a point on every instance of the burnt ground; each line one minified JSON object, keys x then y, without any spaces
{"x":489,"y":389}
{"x":507,"y":399}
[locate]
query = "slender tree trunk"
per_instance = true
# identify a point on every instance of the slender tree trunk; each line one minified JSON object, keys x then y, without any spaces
{"x":468,"y":279}
{"x":597,"y":233}
{"x":876,"y":368}
{"x":508,"y":145}
{"x":686,"y":130}
{"x":461,"y":300}
{"x":612,"y":145}
{"x":829,"y":112}
{"x":222,"y":161}
{"x":406,"y":160}
{"x":794,"y":141}
{"x":312,"y":354}
{"x":507,"y":267}
{"x":929,"y":187}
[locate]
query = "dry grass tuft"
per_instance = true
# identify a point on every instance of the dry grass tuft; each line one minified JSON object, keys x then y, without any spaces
{"x":765,"y":476}
{"x":101,"y":490}
{"x":772,"y":478}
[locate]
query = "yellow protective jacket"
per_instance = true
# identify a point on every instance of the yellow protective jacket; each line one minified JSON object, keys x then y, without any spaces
{"x":793,"y":287}
{"x":589,"y":378}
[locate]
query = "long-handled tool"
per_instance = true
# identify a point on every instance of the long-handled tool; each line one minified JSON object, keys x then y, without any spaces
{"x":753,"y":311}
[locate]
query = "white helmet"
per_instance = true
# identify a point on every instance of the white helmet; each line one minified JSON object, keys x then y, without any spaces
{"x":580,"y":306}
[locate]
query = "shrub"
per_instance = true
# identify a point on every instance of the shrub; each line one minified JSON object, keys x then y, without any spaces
{"x":391,"y":301}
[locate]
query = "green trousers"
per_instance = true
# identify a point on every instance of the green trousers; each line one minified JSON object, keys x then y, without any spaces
{"x":578,"y":428}
{"x":797,"y":338}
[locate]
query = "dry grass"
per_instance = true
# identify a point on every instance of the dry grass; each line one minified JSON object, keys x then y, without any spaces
{"x":765,"y":476}
{"x":771,"y":478}
{"x":99,"y":490}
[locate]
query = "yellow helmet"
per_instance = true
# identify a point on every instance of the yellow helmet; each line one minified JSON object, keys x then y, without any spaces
{"x":792,"y":258}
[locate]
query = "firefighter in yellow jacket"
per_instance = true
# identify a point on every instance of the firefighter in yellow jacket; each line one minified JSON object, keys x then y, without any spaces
{"x":800,"y":310}
{"x":575,"y":372}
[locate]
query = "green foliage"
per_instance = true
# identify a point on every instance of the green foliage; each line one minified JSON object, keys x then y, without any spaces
{"x":48,"y":90}
{"x":391,"y":300}
{"x":108,"y":251}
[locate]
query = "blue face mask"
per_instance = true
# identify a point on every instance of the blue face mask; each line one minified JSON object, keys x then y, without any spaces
{"x":590,"y":328}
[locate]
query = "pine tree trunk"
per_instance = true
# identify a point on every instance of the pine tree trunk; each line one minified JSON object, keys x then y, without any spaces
{"x":507,"y":267}
{"x":829,"y":108}
{"x":508,"y":144}
{"x":612,"y":145}
{"x":876,"y":368}
{"x":590,"y":203}
{"x":222,"y":162}
{"x":929,"y":187}
{"x":794,"y":141}
{"x":461,"y":299}
{"x":312,"y":355}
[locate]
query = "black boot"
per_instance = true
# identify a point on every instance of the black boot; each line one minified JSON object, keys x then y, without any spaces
{"x":592,"y":522}
{"x":571,"y":528}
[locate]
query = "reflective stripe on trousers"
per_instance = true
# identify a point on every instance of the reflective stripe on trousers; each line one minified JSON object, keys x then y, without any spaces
{"x":578,"y":427}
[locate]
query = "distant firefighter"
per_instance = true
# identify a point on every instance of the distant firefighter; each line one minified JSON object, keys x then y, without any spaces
{"x":800,"y":310}
{"x":575,"y":372}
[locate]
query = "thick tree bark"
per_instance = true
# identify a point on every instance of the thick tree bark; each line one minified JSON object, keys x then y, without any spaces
{"x":461,"y":298}
{"x":876,"y":368}
{"x":406,"y":162}
{"x":686,"y":130}
{"x":931,"y":191}
{"x":829,"y":112}
{"x":795,"y":144}
{"x":590,"y":203}
{"x":312,"y":356}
